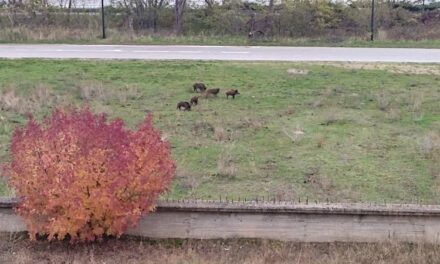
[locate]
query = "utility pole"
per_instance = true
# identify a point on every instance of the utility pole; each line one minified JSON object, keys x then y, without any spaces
{"x":372,"y":20}
{"x":103,"y":20}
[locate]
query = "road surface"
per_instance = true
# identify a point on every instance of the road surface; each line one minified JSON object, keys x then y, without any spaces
{"x":220,"y":53}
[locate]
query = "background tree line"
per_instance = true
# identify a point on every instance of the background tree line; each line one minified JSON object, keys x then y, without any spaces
{"x":257,"y":19}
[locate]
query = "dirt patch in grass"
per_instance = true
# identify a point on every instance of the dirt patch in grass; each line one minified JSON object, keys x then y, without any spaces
{"x":403,"y":68}
{"x":294,"y":71}
{"x":15,"y":249}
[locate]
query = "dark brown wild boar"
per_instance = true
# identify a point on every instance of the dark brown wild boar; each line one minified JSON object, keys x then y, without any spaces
{"x":194,"y":100}
{"x":184,"y":106}
{"x":213,"y":91}
{"x":232,"y":92}
{"x":199,"y":87}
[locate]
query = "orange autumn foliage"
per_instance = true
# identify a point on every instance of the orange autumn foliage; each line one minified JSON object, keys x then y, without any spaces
{"x":80,"y":176}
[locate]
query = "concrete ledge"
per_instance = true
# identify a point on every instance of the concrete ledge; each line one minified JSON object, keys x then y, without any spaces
{"x":292,"y":208}
{"x":278,"y":220}
{"x":279,"y":207}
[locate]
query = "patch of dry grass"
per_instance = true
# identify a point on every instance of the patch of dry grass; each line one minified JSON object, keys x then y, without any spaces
{"x":295,"y":134}
{"x":400,"y":68}
{"x":15,"y":249}
{"x":226,"y":165}
{"x":383,"y":101}
{"x":40,"y":96}
{"x":295,"y":71}
{"x":430,"y":144}
{"x":96,"y":91}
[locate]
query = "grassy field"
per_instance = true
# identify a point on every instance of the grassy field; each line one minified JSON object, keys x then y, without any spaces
{"x":15,"y":249}
{"x":92,"y":36}
{"x":343,"y":132}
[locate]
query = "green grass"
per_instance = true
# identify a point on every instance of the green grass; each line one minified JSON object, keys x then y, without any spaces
{"x":55,"y":34}
{"x":277,"y":41}
{"x":320,"y":135}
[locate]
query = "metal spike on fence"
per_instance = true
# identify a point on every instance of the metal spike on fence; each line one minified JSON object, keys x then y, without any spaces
{"x":307,"y":200}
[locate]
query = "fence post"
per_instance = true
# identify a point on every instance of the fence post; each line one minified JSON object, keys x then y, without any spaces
{"x":103,"y":20}
{"x":372,"y":20}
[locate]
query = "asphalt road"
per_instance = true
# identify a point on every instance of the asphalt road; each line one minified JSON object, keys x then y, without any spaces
{"x":221,"y":53}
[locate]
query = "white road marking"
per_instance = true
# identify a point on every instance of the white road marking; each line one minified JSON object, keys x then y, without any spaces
{"x":186,"y":51}
{"x":151,"y":51}
{"x":87,"y":50}
{"x":235,"y":52}
{"x":67,"y":50}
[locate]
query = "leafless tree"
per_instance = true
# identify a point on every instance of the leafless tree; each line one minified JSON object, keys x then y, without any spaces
{"x":210,"y":3}
{"x":155,"y":6}
{"x":145,"y":12}
{"x":179,"y":8}
{"x":12,"y":6}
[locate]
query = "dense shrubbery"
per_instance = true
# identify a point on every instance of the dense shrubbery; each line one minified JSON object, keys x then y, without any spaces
{"x":79,"y":176}
{"x":291,"y":18}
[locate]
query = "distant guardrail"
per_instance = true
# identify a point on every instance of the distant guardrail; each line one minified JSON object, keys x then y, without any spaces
{"x":319,"y":222}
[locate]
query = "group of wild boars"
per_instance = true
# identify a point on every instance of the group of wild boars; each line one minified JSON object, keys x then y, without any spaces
{"x":201,"y":88}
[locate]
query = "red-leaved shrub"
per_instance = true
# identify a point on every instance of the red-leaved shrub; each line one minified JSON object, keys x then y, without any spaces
{"x":80,"y":176}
